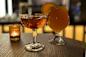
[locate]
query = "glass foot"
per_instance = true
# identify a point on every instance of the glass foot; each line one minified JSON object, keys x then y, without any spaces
{"x":33,"y":47}
{"x":57,"y":40}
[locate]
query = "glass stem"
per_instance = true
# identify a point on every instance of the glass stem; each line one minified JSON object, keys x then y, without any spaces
{"x":56,"y":35}
{"x":34,"y":36}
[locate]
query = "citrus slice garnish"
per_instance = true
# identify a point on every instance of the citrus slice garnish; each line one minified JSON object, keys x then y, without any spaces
{"x":46,"y":8}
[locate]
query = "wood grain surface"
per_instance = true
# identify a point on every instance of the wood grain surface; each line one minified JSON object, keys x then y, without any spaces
{"x":71,"y":48}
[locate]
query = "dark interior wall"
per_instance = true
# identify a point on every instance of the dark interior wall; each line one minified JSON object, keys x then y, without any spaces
{"x":15,"y":5}
{"x":37,"y":8}
{"x":74,"y":10}
{"x":36,"y":3}
{"x":82,"y":17}
{"x":23,"y":0}
{"x":83,"y":9}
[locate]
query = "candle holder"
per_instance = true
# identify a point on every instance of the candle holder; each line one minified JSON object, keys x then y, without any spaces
{"x":14,"y":32}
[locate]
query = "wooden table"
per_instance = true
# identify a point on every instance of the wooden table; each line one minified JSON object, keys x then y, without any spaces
{"x":72,"y":48}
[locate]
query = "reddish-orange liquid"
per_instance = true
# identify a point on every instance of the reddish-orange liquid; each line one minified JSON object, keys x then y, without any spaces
{"x":33,"y":23}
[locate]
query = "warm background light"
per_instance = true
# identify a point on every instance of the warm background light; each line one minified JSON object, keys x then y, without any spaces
{"x":5,"y":28}
{"x":69,"y":31}
{"x":79,"y":33}
{"x":27,"y":30}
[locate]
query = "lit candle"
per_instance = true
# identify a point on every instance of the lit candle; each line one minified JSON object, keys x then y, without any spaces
{"x":14,"y":32}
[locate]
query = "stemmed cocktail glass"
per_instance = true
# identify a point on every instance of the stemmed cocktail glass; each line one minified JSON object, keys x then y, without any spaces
{"x":58,"y":19}
{"x":34,"y":22}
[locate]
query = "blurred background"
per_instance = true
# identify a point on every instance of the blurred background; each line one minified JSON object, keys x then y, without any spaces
{"x":9,"y":10}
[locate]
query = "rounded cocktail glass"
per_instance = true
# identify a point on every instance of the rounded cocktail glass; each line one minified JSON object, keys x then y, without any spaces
{"x":34,"y":22}
{"x":58,"y":19}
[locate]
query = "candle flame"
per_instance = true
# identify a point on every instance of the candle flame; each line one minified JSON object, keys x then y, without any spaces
{"x":14,"y":33}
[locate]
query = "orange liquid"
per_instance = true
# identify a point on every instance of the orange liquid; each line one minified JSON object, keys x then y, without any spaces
{"x":33,"y":23}
{"x":58,"y":18}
